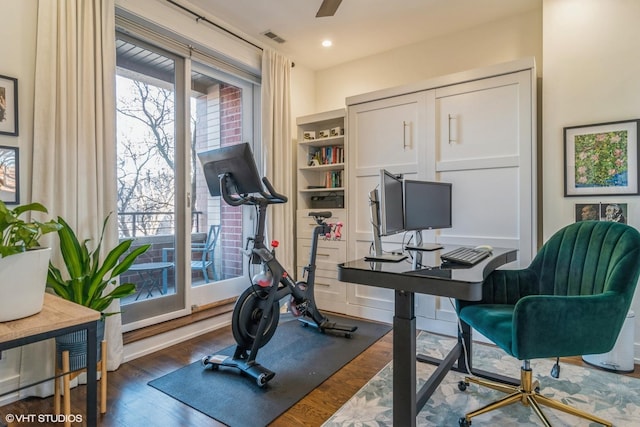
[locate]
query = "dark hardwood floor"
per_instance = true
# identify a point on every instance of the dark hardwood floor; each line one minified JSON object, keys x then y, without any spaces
{"x":131,"y":402}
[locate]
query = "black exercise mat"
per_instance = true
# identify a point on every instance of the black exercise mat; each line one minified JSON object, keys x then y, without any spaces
{"x":302,"y":358}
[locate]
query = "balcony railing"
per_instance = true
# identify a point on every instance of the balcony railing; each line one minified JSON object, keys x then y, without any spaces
{"x":135,"y":224}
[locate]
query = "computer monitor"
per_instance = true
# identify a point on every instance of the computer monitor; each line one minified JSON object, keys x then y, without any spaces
{"x":390,"y":203}
{"x":236,"y":160}
{"x":427,"y":205}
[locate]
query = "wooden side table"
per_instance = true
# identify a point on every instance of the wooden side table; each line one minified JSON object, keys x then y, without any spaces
{"x":58,"y":317}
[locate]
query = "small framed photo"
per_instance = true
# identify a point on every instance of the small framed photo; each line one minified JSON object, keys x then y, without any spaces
{"x":587,"y":212}
{"x":8,"y":106}
{"x":616,"y":212}
{"x":9,"y":175}
{"x":601,"y":159}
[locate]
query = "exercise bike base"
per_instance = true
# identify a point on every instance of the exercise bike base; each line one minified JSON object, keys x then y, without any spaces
{"x":333,"y":327}
{"x":254,"y":370}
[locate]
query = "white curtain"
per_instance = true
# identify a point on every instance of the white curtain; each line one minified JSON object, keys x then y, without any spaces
{"x":277,"y":150}
{"x":74,"y":147}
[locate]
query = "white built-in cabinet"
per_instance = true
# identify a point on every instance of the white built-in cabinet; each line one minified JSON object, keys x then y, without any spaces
{"x":321,"y":186}
{"x":475,"y":129}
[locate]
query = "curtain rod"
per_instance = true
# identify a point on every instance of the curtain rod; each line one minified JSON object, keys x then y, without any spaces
{"x":204,"y":18}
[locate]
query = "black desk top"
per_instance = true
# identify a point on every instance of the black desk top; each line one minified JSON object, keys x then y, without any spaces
{"x":452,"y":280}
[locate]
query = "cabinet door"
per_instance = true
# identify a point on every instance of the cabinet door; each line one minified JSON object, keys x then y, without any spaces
{"x":485,"y":145}
{"x":383,"y":134}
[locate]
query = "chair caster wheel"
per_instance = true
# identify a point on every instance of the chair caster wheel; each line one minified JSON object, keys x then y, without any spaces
{"x":462,"y":386}
{"x":462,"y":422}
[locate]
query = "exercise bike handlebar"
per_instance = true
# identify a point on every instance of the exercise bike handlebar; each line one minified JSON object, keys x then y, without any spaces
{"x":271,"y":196}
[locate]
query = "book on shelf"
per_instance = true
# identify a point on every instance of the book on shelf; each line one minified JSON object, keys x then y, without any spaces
{"x":333,"y":179}
{"x":327,"y":156}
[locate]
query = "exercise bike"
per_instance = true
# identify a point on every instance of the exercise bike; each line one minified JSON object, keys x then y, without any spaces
{"x":257,"y":310}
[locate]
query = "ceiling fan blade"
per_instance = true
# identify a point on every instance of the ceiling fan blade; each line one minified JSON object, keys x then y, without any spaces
{"x":328,"y":8}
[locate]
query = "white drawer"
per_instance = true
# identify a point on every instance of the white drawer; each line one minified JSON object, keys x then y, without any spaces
{"x":329,"y":253}
{"x":306,"y":224}
{"x":327,"y":285}
{"x":323,"y":274}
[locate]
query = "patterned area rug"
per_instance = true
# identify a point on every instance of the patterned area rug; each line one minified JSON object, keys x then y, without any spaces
{"x":607,"y":395}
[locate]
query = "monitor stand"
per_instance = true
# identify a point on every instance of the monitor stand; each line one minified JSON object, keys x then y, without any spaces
{"x":420,"y":246}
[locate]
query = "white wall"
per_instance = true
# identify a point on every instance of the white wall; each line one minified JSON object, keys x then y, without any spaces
{"x":17,"y":50}
{"x":500,"y":41}
{"x":591,"y":75}
{"x":303,"y":99}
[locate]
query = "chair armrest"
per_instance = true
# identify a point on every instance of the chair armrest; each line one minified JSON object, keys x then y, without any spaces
{"x":581,"y":325}
{"x":505,"y":287}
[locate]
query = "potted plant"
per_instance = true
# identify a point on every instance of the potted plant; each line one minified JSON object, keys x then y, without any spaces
{"x":23,"y":263}
{"x":86,"y":279}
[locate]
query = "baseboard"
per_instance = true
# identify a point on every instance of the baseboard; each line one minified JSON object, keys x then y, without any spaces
{"x":6,"y":385}
{"x":161,"y":341}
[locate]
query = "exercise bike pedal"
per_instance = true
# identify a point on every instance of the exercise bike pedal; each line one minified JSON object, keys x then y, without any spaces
{"x":255,"y":370}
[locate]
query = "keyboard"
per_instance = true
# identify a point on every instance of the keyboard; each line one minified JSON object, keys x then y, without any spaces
{"x":466,"y":256}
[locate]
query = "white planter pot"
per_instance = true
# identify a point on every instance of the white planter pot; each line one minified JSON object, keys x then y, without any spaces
{"x":23,"y":279}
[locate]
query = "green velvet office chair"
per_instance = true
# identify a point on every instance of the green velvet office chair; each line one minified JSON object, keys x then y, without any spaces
{"x":572,"y":300}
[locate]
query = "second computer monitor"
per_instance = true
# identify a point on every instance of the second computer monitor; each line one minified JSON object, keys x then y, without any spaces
{"x":427,"y":205}
{"x":391,"y":217}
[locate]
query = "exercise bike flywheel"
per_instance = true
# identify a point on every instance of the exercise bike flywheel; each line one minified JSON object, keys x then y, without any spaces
{"x":248,"y":312}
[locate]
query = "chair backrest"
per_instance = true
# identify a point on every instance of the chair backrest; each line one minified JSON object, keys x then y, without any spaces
{"x":212,"y":238}
{"x":588,"y":258}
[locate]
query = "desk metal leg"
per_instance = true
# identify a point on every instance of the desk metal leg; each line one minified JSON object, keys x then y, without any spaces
{"x":92,"y":360}
{"x":404,"y":365}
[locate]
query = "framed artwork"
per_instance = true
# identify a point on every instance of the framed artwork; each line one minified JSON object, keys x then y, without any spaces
{"x":8,"y":106}
{"x":9,"y":175}
{"x":611,"y":211}
{"x":601,"y":159}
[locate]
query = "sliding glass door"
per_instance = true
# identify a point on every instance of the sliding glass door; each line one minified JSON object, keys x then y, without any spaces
{"x":169,"y":108}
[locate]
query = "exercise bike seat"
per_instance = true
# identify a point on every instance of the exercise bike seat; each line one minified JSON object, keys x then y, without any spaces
{"x":322,"y":214}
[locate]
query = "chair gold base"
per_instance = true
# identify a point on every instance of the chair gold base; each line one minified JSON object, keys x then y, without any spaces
{"x":526,"y":393}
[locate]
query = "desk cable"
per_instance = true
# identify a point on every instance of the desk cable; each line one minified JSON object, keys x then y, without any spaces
{"x":464,"y":346}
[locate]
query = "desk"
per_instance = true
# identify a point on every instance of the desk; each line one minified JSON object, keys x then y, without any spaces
{"x":149,"y":282}
{"x":58,"y":317}
{"x":461,"y":283}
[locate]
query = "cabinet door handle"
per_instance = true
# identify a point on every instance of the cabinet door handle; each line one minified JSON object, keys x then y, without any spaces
{"x":451,"y":117}
{"x":404,"y":135}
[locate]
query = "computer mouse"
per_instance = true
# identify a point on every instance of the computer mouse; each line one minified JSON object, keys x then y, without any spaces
{"x":485,"y":248}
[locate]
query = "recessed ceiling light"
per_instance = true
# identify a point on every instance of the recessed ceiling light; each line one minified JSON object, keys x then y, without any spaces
{"x":327,"y":43}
